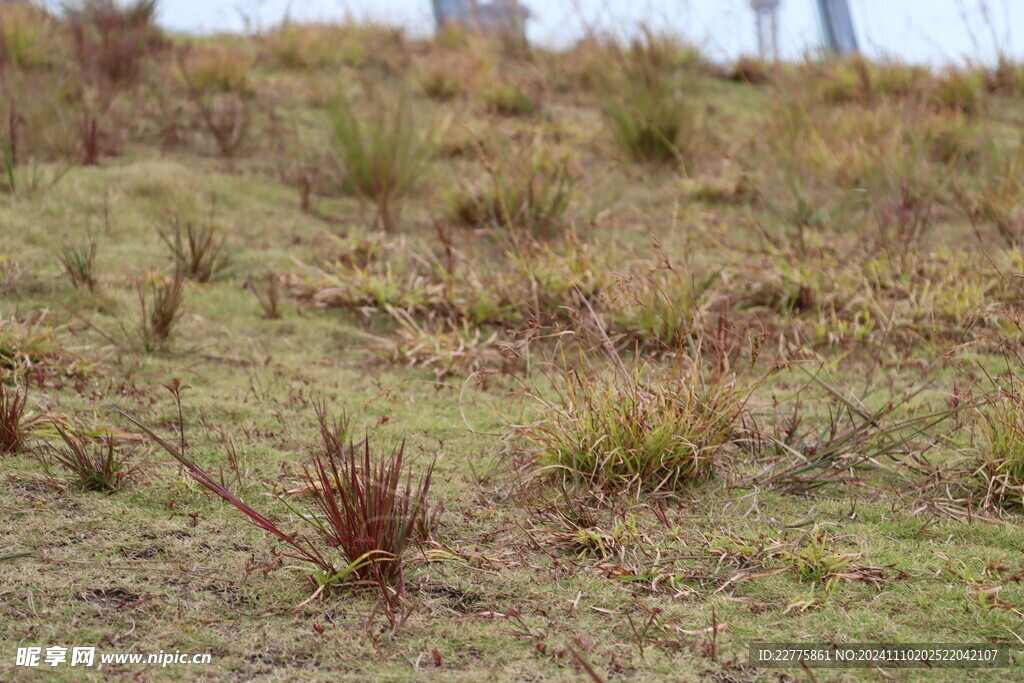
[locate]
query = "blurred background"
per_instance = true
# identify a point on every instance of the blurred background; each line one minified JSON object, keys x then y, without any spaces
{"x":933,"y":32}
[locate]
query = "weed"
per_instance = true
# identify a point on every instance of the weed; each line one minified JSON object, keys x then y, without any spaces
{"x":857,"y":80}
{"x":441,"y":86}
{"x":818,"y":562}
{"x":1000,"y":199}
{"x":333,"y":431}
{"x":197,"y":251}
{"x":367,"y":512}
{"x":93,"y":466}
{"x":382,"y":155}
{"x":645,"y":429}
{"x":588,"y":540}
{"x":1000,"y":457}
{"x":961,"y":90}
{"x":661,"y":306}
{"x":215,"y":69}
{"x":360,"y":508}
{"x":1007,"y":78}
{"x":751,"y":70}
{"x":530,"y":190}
{"x":322,"y":46}
{"x":267,"y":294}
{"x":507,"y":99}
{"x":79,"y":263}
{"x":25,"y":36}
{"x":223,"y":101}
{"x":853,"y":437}
{"x":27,"y":344}
{"x":446,"y":348}
{"x":10,"y":274}
{"x":439,"y":83}
{"x":18,"y":176}
{"x":111,"y":40}
{"x":650,"y":116}
{"x":160,"y":308}
{"x":12,"y":418}
{"x":904,"y":218}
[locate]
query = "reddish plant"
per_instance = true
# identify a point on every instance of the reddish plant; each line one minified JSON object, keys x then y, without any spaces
{"x":12,"y":414}
{"x":361,"y":505}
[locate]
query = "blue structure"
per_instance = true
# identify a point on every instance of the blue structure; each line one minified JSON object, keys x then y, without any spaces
{"x":498,"y":16}
{"x":453,"y":11}
{"x":837,"y":26}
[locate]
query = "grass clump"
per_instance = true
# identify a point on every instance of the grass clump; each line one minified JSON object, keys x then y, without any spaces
{"x":651,"y":118}
{"x":382,"y":154}
{"x":79,"y":263}
{"x":268,"y":294}
{"x":366,"y":509}
{"x":112,"y":39}
{"x":215,"y":69}
{"x":371,"y":510}
{"x":93,"y":466}
{"x":25,"y":36}
{"x":660,"y":307}
{"x":961,"y":90}
{"x":998,"y":200}
{"x":507,"y":99}
{"x":530,"y":190}
{"x":197,"y":251}
{"x":631,"y":430}
{"x":1000,"y":454}
{"x":12,"y":418}
{"x":161,"y":303}
{"x":313,"y":46}
{"x":441,"y":85}
{"x":818,"y":562}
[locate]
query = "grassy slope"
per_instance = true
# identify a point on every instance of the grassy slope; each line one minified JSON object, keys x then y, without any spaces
{"x":163,"y":566}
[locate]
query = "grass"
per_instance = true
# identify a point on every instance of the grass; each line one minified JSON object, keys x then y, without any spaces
{"x":652,"y":118}
{"x":268,"y":294}
{"x":369,"y":512}
{"x":79,"y":263}
{"x":160,"y":308}
{"x":507,"y":99}
{"x":530,"y":190}
{"x":92,"y":466}
{"x":635,"y":470}
{"x":25,"y":40}
{"x":112,"y":39}
{"x":365,"y":507}
{"x":197,"y":251}
{"x":12,"y":418}
{"x":999,"y":461}
{"x":382,"y":156}
{"x":635,"y":430}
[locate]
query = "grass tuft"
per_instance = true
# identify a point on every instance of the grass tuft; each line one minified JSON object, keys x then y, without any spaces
{"x":198,"y":251}
{"x":650,"y":115}
{"x":160,"y":308}
{"x":79,"y":264}
{"x":12,"y":418}
{"x":636,"y":430}
{"x":93,"y":466}
{"x":530,"y":190}
{"x":382,"y":155}
{"x":365,"y":507}
{"x":112,"y":39}
{"x":999,"y":425}
{"x":507,"y":99}
{"x":268,"y":294}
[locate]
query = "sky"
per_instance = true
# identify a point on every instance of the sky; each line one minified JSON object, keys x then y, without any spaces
{"x":932,"y":32}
